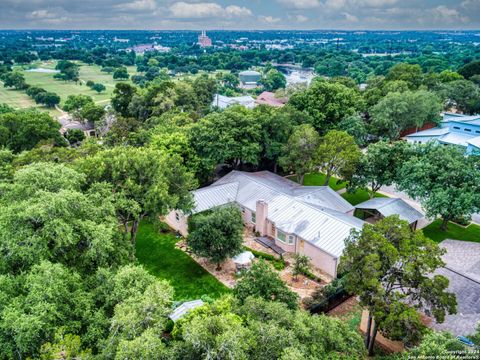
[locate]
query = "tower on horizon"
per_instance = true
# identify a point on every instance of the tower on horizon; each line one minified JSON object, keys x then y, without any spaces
{"x":204,"y":40}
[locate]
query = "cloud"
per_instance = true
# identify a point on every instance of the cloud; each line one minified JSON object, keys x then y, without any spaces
{"x":375,"y":3}
{"x":301,"y":18}
{"x":350,"y":17}
{"x":269,"y":19}
{"x":183,"y":10}
{"x":234,"y":10}
{"x":444,"y":13}
{"x":41,"y":14}
{"x":138,"y":5}
{"x":300,"y":4}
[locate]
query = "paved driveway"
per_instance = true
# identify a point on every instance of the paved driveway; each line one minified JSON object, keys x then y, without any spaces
{"x":463,"y":270}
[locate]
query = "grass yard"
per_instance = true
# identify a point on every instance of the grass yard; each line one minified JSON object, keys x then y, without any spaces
{"x":358,"y":196}
{"x":157,"y":253}
{"x":455,"y":232}
{"x":317,"y":179}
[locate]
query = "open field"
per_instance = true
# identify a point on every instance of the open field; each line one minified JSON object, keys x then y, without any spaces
{"x":156,"y":251}
{"x":19,"y":99}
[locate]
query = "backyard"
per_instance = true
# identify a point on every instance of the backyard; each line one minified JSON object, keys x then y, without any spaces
{"x":455,"y":232}
{"x":156,"y":251}
{"x":359,"y":196}
{"x":318,"y":179}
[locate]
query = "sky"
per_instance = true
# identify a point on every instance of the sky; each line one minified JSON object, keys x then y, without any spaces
{"x":235,"y":14}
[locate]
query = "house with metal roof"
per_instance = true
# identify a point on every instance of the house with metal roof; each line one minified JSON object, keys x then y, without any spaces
{"x":455,"y":129}
{"x":310,"y":220}
{"x":222,"y":102}
{"x":379,"y":208}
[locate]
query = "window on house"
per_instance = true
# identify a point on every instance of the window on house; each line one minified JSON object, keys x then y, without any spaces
{"x":177,"y":216}
{"x":477,"y":131}
{"x":467,"y":130}
{"x":254,"y":217}
{"x":285,"y":238}
{"x":456,"y":128}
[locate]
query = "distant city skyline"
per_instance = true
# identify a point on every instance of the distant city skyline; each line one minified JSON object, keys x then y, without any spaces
{"x":240,"y":15}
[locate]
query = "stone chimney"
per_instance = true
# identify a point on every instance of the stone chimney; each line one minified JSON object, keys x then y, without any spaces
{"x":261,"y":212}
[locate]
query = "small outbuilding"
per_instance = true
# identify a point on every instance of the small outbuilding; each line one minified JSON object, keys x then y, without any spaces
{"x":378,"y":208}
{"x":183,"y":309}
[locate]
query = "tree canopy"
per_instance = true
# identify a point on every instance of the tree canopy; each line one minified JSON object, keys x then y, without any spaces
{"x":390,"y":267}
{"x":216,"y":235}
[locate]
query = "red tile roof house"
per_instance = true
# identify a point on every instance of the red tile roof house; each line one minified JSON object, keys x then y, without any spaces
{"x":310,"y":220}
{"x":268,"y":98}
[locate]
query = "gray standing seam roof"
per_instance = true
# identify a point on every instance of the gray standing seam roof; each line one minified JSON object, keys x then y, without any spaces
{"x":392,"y":206}
{"x":315,"y":214}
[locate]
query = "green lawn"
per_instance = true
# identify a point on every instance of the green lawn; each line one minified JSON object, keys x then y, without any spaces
{"x":317,"y":179}
{"x":66,"y":88}
{"x":358,"y":196}
{"x":19,"y":99}
{"x":456,"y":232}
{"x":157,"y":253}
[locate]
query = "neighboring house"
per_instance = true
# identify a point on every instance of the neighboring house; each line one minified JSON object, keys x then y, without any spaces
{"x":455,"y":129}
{"x":379,"y":208}
{"x":223,"y":102}
{"x":310,"y":220}
{"x":268,"y":98}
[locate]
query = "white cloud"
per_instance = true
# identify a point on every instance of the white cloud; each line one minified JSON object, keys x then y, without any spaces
{"x":238,"y":11}
{"x":198,"y":10}
{"x":269,"y":19}
{"x":375,"y":3}
{"x":301,"y":18}
{"x":41,"y":14}
{"x":300,"y":4}
{"x":350,"y":17}
{"x":138,"y":5}
{"x":335,"y":4}
{"x":183,"y":10}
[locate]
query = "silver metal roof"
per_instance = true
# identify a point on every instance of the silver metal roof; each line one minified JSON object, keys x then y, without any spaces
{"x":392,"y":206}
{"x":316,"y":214}
{"x":215,"y":195}
{"x":183,"y":309}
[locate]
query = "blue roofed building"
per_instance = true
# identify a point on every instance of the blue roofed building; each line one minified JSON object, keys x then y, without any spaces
{"x":455,"y":129}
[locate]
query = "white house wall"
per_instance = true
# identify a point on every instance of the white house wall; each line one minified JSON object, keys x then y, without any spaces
{"x":180,"y":225}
